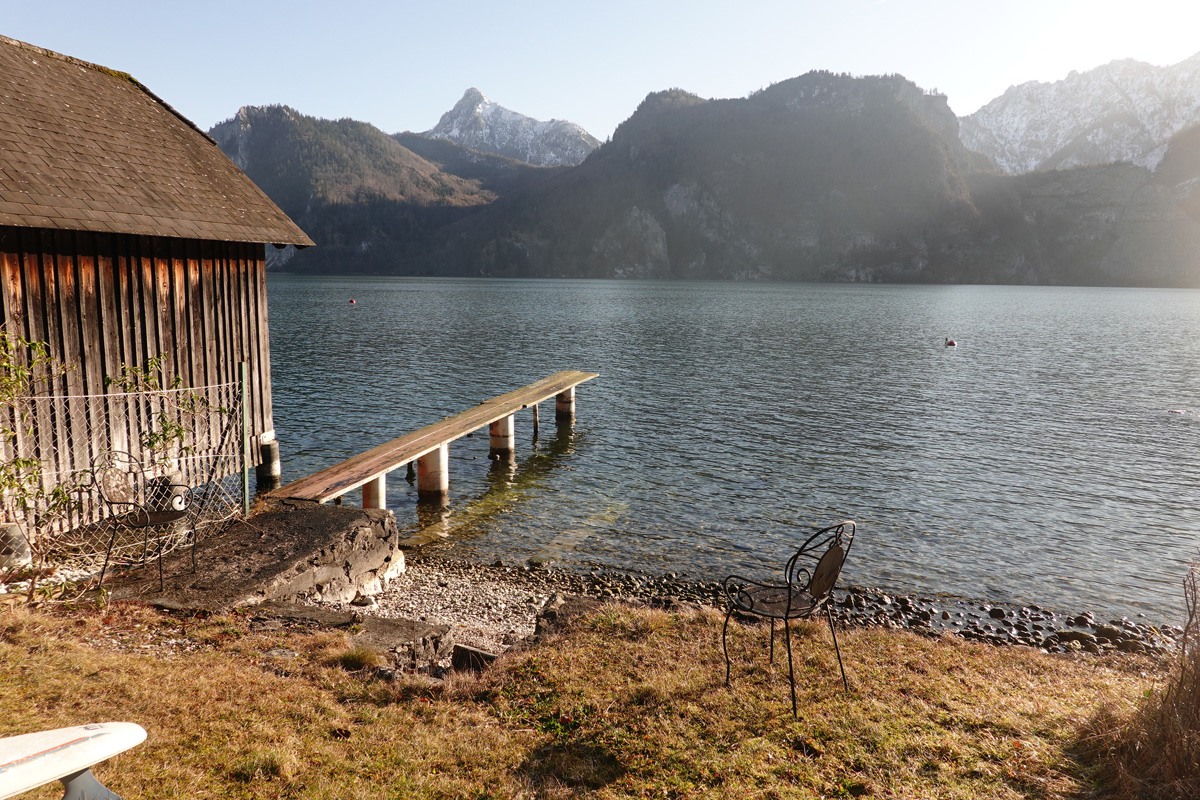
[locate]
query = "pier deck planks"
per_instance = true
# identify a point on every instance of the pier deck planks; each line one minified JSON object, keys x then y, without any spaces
{"x":352,"y":473}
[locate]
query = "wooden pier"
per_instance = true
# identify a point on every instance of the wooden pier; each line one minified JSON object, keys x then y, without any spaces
{"x":429,"y":446}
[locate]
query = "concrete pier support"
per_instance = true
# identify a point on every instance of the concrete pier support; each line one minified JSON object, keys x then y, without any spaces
{"x":564,"y":404}
{"x":374,"y":493}
{"x":269,"y":474}
{"x":502,"y":436}
{"x":433,"y":473}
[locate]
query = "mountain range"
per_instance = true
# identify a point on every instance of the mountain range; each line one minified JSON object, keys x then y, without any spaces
{"x":821,"y":177}
{"x":1122,"y":111}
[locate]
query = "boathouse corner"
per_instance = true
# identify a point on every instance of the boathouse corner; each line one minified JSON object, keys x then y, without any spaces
{"x":127,"y":238}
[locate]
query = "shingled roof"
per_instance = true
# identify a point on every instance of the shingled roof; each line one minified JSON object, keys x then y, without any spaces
{"x":83,"y":147}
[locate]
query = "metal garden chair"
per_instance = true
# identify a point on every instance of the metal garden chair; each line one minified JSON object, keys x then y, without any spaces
{"x":154,"y":508}
{"x":809,"y":579}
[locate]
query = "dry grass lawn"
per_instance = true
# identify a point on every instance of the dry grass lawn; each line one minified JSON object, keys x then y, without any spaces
{"x":627,"y":703}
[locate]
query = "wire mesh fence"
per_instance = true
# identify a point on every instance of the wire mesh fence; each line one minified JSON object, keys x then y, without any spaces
{"x":106,"y":481}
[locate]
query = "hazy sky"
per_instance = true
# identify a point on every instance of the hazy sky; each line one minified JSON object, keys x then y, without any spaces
{"x":400,"y":65}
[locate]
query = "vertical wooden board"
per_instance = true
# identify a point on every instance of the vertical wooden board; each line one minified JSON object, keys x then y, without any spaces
{"x":218,"y":313}
{"x":202,"y":346}
{"x":195,"y":344}
{"x":146,"y":318}
{"x":232,"y":328}
{"x":10,"y":278}
{"x":127,"y":302}
{"x":91,"y":336}
{"x":208,"y":316}
{"x":165,"y":309}
{"x":237,"y":295}
{"x":92,"y":350}
{"x":71,"y":438}
{"x":12,"y":300}
{"x":208,"y":427}
{"x":242,"y":314}
{"x":266,"y":421}
{"x":29,"y":324}
{"x":181,"y":333}
{"x":50,"y":303}
{"x":254,"y":326}
{"x":65,"y":272}
{"x":33,"y":326}
{"x":49,"y":430}
{"x":223,"y":301}
{"x":177,"y":332}
{"x":110,"y":293}
{"x":147,"y":323}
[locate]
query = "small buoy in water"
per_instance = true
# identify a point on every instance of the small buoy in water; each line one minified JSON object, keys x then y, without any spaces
{"x":949,"y":342}
{"x":352,"y":300}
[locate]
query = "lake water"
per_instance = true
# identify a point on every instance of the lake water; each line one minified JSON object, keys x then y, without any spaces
{"x":1036,"y":462}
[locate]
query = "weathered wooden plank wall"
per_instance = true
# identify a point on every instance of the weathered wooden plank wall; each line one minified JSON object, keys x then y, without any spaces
{"x":101,"y":301}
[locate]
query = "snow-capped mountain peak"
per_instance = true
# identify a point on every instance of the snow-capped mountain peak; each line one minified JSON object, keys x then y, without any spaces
{"x":1122,"y":111}
{"x":478,"y":123}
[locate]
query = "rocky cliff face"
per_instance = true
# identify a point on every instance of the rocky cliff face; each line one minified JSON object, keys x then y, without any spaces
{"x":1123,"y":111}
{"x":488,"y":127}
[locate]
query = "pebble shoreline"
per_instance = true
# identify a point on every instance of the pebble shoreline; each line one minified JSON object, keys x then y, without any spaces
{"x":493,"y":607}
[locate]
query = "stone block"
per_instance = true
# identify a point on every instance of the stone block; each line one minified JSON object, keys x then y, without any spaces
{"x":470,"y":659}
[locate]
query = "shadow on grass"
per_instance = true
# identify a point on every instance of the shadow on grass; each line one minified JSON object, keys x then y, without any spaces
{"x":577,"y":764}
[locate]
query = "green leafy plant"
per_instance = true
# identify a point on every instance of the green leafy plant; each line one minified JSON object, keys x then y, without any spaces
{"x":27,"y":367}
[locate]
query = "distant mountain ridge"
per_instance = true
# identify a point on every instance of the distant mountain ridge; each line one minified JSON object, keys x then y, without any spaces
{"x":1124,"y":111}
{"x":480,"y":124}
{"x":822,"y":177}
{"x":358,"y":192}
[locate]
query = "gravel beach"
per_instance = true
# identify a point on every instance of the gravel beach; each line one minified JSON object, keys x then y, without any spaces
{"x":494,"y":606}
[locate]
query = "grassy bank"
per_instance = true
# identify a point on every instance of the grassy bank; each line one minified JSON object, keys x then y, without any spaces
{"x":626,"y":703}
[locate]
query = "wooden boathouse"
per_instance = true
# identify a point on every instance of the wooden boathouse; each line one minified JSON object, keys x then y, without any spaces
{"x":127,"y":235}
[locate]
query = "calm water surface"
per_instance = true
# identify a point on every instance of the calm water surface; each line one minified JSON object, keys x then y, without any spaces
{"x":1036,"y":462}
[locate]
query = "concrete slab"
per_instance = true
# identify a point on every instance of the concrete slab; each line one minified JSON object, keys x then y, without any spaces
{"x":408,"y":643}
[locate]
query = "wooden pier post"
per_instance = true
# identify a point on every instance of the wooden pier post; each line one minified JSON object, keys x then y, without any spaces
{"x":564,"y":404}
{"x":502,"y":436}
{"x":433,"y":473}
{"x":268,"y":475}
{"x":374,"y":493}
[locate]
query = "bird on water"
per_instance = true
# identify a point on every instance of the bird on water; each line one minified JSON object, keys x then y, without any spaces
{"x":951,"y":343}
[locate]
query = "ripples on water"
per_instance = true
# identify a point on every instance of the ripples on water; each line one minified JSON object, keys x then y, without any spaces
{"x":1036,"y":462}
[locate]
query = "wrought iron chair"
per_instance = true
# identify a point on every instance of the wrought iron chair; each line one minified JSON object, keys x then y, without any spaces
{"x":809,"y":579}
{"x":140,"y":504}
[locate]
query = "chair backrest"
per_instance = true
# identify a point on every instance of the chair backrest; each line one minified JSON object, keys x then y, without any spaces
{"x":827,"y":571}
{"x":118,"y":476}
{"x":817,"y":565}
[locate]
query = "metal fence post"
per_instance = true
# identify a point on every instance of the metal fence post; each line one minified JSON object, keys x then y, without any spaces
{"x":243,"y":372}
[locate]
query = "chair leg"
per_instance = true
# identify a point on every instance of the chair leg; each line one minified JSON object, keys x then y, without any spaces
{"x":162,"y":547}
{"x":107,"y":554}
{"x":787,"y":638}
{"x":724,"y":644}
{"x":836,"y":649}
